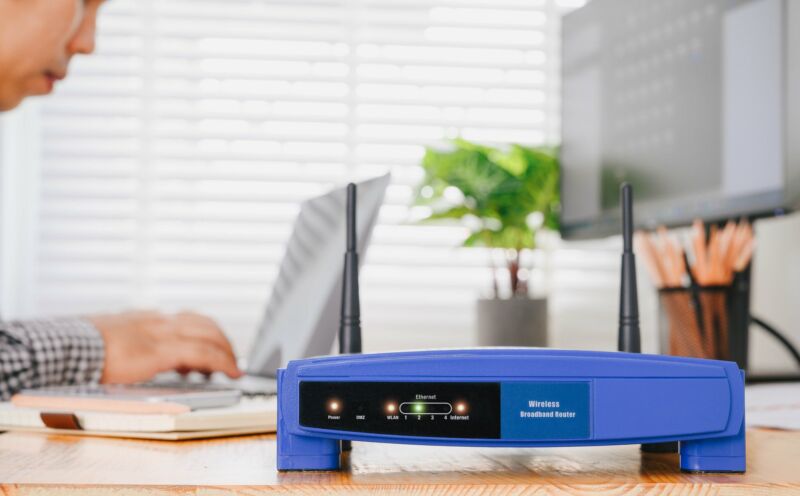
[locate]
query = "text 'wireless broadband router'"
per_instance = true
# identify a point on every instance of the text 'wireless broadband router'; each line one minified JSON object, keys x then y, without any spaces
{"x":510,"y":397}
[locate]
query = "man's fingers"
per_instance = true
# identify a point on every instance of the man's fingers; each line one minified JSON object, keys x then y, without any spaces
{"x":203,"y":356}
{"x":194,"y":326}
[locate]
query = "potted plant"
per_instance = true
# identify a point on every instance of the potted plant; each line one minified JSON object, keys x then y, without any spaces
{"x":504,"y":195}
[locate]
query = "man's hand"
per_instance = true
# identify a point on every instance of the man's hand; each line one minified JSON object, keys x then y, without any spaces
{"x":139,"y":345}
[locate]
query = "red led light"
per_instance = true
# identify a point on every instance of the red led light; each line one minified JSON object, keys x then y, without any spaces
{"x":334,"y":407}
{"x":461,"y":408}
{"x":391,"y":408}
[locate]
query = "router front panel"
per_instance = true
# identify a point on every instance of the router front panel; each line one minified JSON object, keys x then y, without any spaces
{"x":542,"y":410}
{"x":422,"y":409}
{"x":511,"y":398}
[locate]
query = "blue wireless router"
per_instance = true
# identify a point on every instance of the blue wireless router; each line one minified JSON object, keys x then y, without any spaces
{"x":510,"y":397}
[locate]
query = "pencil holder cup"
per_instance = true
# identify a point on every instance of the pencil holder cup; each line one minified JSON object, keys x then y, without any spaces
{"x":695,"y":322}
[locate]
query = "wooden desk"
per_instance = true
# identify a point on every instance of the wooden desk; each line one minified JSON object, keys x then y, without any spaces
{"x":37,"y":464}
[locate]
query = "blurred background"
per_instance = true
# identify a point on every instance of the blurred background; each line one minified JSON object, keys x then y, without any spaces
{"x":167,"y":170}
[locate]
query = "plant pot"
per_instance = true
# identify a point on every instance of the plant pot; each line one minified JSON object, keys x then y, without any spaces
{"x":517,"y":321}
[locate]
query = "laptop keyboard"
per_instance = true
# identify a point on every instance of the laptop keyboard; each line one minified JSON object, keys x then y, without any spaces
{"x":249,"y":386}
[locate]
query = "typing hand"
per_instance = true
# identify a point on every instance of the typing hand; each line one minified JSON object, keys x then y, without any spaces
{"x":139,"y":345}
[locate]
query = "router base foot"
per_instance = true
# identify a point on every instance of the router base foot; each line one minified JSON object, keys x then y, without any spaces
{"x":723,"y":454}
{"x":308,"y":463}
{"x":713,"y":464}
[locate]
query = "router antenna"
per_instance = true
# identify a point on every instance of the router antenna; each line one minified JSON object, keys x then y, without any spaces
{"x":351,"y":218}
{"x":629,"y":338}
{"x":350,"y":323}
{"x":350,"y":319}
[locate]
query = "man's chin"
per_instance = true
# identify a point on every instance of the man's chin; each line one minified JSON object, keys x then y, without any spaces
{"x":9,"y":103}
{"x":12,"y":101}
{"x":42,"y":88}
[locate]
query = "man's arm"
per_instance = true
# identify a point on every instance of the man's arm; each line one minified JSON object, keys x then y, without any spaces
{"x":119,"y":348}
{"x":49,"y":352}
{"x":139,"y":345}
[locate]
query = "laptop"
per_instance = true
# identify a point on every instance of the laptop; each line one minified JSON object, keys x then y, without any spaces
{"x":301,"y":319}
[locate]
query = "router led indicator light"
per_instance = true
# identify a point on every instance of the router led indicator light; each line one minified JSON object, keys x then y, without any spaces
{"x":334,"y":406}
{"x":419,"y":408}
{"x":461,"y":408}
{"x":391,"y":408}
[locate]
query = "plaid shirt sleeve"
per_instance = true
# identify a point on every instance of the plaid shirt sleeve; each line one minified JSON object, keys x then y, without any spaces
{"x":48,"y":352}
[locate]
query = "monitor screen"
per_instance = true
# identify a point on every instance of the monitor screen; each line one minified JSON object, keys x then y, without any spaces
{"x":684,"y":100}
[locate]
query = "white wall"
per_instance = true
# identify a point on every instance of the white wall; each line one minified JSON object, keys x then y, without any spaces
{"x":19,"y":193}
{"x":776,"y":292}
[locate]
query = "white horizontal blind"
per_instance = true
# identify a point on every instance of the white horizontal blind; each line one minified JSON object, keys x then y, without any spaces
{"x":175,"y":158}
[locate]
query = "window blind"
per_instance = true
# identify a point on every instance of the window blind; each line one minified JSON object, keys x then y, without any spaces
{"x":174,"y":159}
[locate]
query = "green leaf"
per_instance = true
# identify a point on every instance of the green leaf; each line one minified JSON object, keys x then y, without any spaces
{"x":457,"y":212}
{"x":506,"y":184}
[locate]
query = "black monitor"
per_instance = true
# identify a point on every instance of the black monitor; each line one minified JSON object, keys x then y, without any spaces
{"x":696,"y":103}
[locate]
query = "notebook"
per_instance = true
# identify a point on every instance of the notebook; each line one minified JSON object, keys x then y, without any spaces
{"x":249,"y":416}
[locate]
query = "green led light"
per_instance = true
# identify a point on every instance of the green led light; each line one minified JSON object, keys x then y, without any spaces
{"x":419,"y":408}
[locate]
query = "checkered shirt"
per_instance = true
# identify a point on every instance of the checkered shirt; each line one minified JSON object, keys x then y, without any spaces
{"x":48,"y":352}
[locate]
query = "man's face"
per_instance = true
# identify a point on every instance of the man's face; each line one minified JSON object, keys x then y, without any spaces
{"x":37,"y":41}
